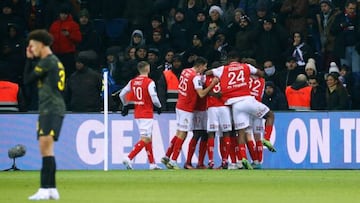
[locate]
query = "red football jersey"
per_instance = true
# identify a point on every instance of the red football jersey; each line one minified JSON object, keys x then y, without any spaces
{"x":141,"y":97}
{"x":213,"y":101}
{"x":187,"y":91}
{"x":234,"y":79}
{"x":257,"y":86}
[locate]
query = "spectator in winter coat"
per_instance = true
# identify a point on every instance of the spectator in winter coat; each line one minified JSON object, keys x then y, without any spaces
{"x":274,"y":98}
{"x":67,"y":35}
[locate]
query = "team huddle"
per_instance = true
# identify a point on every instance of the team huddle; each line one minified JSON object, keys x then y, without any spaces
{"x":223,"y":100}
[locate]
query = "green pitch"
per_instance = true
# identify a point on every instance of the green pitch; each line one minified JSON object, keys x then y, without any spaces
{"x":195,"y":186}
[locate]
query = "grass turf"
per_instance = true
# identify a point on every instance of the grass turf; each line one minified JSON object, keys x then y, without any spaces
{"x":195,"y":186}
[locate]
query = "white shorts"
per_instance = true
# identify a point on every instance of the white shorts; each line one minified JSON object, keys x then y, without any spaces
{"x":257,"y":125}
{"x":219,"y":119}
{"x":145,"y":126}
{"x":200,"y":120}
{"x":244,"y":108}
{"x":184,"y":120}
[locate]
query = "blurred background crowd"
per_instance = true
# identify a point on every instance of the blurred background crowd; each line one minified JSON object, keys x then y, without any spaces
{"x":306,"y":47}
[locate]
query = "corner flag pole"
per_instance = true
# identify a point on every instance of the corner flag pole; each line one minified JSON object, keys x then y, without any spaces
{"x":106,"y":125}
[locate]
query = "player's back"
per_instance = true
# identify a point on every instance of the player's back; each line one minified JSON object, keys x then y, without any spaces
{"x":234,"y":80}
{"x":141,"y":97}
{"x":257,"y":87}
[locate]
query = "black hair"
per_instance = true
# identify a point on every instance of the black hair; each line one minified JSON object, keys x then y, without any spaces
{"x":42,"y":36}
{"x":200,"y":61}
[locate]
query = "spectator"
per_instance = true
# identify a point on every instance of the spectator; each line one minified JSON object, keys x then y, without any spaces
{"x":318,"y":101}
{"x":346,"y":31}
{"x":197,"y":49}
{"x":274,"y":98}
{"x":199,"y":22}
{"x":298,"y":95}
{"x":295,"y":15}
{"x":327,"y":16}
{"x":228,"y":8}
{"x":54,"y":7}
{"x":245,"y":38}
{"x":13,"y":53}
{"x":310,"y":68}
{"x":249,"y":7}
{"x":271,"y":72}
{"x":83,"y":90}
{"x":215,"y":14}
{"x":190,"y":8}
{"x":158,"y":42}
{"x":168,"y":59}
{"x":288,"y":75}
{"x":180,"y":32}
{"x":67,"y":35}
{"x":130,"y":53}
{"x":219,"y":48}
{"x":271,"y":41}
{"x":234,"y":26}
{"x":337,"y":97}
{"x":7,"y":17}
{"x":300,"y":50}
{"x":156,"y":68}
{"x":34,"y":15}
{"x":347,"y":44}
{"x":263,"y":11}
{"x":168,"y":84}
{"x":137,"y":38}
{"x":334,"y":68}
{"x":90,"y":38}
{"x":157,"y":23}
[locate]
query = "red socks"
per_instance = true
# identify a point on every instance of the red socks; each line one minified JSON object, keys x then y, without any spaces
{"x":251,"y":147}
{"x":210,"y":148}
{"x":149,"y":152}
{"x":268,"y":131}
{"x":137,"y":148}
{"x":192,"y":147}
{"x":202,"y":152}
{"x":171,"y":147}
{"x":177,"y":148}
{"x":233,"y":146}
{"x":259,"y":150}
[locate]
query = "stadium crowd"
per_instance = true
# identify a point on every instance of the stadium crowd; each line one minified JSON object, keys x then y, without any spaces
{"x":309,"y":49}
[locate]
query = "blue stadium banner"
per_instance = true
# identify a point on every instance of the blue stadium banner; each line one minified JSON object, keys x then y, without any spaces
{"x":304,"y":140}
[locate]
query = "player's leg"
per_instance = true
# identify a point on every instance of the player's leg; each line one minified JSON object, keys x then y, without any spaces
{"x":49,"y":127}
{"x":241,"y":122}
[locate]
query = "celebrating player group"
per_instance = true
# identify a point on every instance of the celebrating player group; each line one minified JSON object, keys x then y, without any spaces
{"x":223,"y":101}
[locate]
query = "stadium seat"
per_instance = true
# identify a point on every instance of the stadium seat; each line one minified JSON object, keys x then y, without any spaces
{"x":99,"y":25}
{"x":114,"y":29}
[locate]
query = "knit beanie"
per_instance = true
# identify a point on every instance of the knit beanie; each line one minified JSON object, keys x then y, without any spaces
{"x":311,"y":65}
{"x":216,"y":8}
{"x":333,"y":68}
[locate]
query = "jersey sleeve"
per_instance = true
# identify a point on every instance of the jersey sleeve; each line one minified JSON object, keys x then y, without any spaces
{"x":152,"y":92}
{"x":198,"y":83}
{"x":252,"y":68}
{"x":217,"y":72}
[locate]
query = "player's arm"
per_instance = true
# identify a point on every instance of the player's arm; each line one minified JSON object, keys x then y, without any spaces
{"x":123,"y":93}
{"x":256,"y":71}
{"x":154,"y":98}
{"x":202,"y":92}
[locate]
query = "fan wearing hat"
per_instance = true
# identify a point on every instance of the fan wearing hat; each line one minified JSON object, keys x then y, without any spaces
{"x":90,"y":38}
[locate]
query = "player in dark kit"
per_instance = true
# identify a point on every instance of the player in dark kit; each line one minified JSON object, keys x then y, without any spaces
{"x":50,"y":76}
